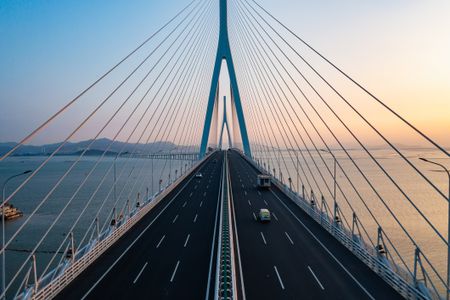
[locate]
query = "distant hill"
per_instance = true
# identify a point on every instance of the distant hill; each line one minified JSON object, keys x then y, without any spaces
{"x":97,"y":148}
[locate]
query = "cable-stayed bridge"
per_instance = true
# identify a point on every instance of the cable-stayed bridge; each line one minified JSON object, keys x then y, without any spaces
{"x":348,"y":220}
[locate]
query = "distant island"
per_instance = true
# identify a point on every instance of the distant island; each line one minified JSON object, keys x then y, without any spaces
{"x":97,"y":148}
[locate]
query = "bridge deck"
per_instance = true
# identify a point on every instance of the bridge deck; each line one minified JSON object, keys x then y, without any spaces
{"x":293,"y":257}
{"x":168,"y":254}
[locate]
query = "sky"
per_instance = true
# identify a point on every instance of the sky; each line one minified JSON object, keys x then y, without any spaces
{"x":52,"y":49}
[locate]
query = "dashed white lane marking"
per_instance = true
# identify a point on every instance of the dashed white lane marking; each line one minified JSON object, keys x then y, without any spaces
{"x":160,"y":241}
{"x":207,"y":186}
{"x":174,"y":271}
{"x":259,"y":193}
{"x":201,"y":203}
{"x":195,"y":218}
{"x":275,"y":216}
{"x":254,"y":216}
{"x":195,"y":187}
{"x":315,"y":277}
{"x":289,"y":238}
{"x":187,"y":240}
{"x":140,"y":273}
{"x":242,"y":186}
{"x":175,"y":219}
{"x":184,"y":204}
{"x":265,"y":202}
{"x":190,"y":195}
{"x":245,"y":193}
{"x":279,"y":277}
{"x":204,"y":194}
{"x":263,"y":238}
{"x":249,"y":203}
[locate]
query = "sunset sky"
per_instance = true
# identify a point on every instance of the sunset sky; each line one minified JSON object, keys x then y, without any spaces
{"x":51,"y":50}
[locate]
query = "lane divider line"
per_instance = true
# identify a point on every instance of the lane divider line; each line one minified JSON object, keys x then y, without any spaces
{"x":289,"y":238}
{"x":315,"y":277}
{"x":263,"y":238}
{"x":187,"y":240}
{"x":279,"y":277}
{"x":175,"y":219}
{"x":174,"y":271}
{"x":160,"y":241}
{"x":140,"y":272}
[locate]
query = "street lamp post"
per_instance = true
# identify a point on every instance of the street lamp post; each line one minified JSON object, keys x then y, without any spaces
{"x":448,"y":221}
{"x":3,"y":229}
{"x":334,"y":181}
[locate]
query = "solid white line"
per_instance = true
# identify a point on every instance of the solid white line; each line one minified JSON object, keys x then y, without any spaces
{"x":187,"y":240}
{"x":195,"y":218}
{"x":249,"y":203}
{"x":275,"y":216}
{"x":175,"y":219}
{"x":201,"y":203}
{"x":265,"y":202}
{"x":325,"y":248}
{"x":289,"y":238}
{"x":317,"y":279}
{"x":160,"y":241}
{"x":254,"y":216}
{"x":184,"y":204}
{"x":263,"y":238}
{"x":174,"y":271}
{"x":279,"y":278}
{"x":139,"y":274}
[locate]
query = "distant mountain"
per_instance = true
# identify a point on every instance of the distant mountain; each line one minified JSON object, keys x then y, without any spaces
{"x":97,"y":148}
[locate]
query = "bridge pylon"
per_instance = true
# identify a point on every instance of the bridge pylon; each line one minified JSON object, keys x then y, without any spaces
{"x":224,"y":53}
{"x":225,"y":125}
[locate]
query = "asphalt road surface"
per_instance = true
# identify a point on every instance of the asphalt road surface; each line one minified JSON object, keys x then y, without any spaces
{"x":169,"y":254}
{"x":292,"y":257}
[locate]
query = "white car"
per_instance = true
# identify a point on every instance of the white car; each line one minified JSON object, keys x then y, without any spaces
{"x":264,"y":215}
{"x":199,"y":175}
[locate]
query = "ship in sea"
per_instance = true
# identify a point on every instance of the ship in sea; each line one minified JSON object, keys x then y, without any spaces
{"x":10,"y":212}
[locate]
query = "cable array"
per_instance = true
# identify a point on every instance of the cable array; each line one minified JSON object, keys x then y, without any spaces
{"x":302,"y":120}
{"x":155,"y":108}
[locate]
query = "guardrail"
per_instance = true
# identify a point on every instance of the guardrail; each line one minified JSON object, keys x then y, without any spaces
{"x":393,"y":274}
{"x":225,"y":269}
{"x":60,"y":277}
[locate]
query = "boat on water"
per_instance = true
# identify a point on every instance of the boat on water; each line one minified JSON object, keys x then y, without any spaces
{"x":10,"y":212}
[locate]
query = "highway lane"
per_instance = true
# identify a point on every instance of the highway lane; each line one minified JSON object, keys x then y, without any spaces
{"x":282,"y":260}
{"x":170,"y":253}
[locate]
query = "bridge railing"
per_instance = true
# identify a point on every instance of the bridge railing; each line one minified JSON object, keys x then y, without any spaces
{"x":61,"y":276}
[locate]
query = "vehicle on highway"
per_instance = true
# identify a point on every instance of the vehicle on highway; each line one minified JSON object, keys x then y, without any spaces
{"x":264,"y":215}
{"x":263,"y":181}
{"x":199,"y":175}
